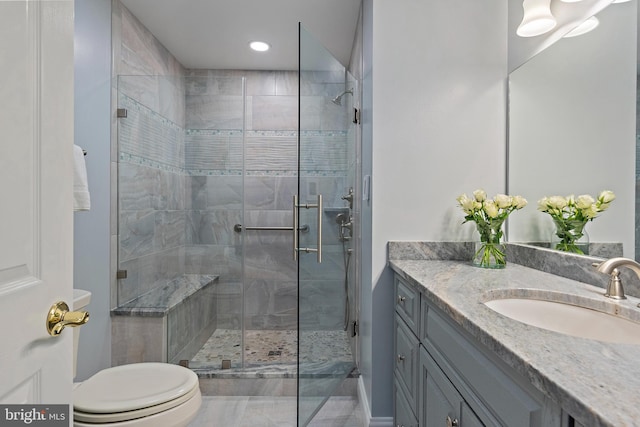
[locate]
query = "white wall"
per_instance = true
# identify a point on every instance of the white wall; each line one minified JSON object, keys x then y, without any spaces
{"x":438,"y":129}
{"x":92,"y":132}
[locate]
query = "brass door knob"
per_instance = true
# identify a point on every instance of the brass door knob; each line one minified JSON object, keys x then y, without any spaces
{"x":59,"y":317}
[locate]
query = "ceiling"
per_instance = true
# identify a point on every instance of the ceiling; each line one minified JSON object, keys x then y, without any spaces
{"x":214,"y":34}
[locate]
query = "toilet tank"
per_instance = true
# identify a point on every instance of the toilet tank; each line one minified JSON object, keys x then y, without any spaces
{"x":81,"y":299}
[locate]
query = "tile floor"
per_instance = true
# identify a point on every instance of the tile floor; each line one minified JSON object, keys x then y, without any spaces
{"x":265,"y":411}
{"x":318,"y":347}
{"x":271,"y":347}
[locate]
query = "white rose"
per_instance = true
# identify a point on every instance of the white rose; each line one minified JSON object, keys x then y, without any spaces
{"x":557,"y":202}
{"x":480,"y":195}
{"x":518,"y":202}
{"x":606,"y":196}
{"x":543,"y":204}
{"x":584,"y":201}
{"x":466,"y":203}
{"x":503,"y":201}
{"x":591,"y":212}
{"x":490,"y":208}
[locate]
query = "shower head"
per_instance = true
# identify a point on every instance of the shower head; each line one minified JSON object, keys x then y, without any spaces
{"x":338,"y":99}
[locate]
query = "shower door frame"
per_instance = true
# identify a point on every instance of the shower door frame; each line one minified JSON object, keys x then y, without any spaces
{"x":318,"y":374}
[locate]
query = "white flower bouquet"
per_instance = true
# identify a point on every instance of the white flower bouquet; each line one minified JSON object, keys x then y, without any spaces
{"x":489,"y":215}
{"x":570,"y":215}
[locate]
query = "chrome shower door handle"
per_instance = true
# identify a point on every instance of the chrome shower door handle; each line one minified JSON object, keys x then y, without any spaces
{"x":296,"y":249}
{"x":319,"y":253}
{"x":295,"y":227}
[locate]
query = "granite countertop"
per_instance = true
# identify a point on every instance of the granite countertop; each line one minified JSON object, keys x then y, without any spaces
{"x":598,"y":383}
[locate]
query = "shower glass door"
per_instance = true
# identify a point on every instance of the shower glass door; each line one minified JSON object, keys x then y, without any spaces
{"x":324,"y":351}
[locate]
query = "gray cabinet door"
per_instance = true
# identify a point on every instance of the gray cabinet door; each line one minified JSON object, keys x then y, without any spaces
{"x":468,"y":418}
{"x":440,"y":403}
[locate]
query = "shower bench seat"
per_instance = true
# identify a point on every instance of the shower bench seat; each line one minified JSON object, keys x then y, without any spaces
{"x":167,"y":324}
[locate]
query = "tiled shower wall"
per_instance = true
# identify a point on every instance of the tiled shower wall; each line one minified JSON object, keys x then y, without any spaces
{"x":148,"y":225}
{"x":186,"y":176}
{"x":152,"y":199}
{"x":219,"y":189}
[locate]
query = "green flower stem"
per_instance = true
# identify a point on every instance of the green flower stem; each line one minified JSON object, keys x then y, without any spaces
{"x":490,"y":254}
{"x":489,"y":251}
{"x":569,"y":232}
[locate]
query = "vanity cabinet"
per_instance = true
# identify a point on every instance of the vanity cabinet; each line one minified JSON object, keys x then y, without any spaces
{"x":407,"y":354}
{"x":457,"y":382}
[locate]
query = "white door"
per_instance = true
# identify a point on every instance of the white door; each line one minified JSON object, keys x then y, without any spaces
{"x":36,"y":218}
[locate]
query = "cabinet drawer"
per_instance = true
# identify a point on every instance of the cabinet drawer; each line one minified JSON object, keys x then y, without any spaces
{"x":479,"y":379}
{"x":406,"y":360}
{"x":407,"y":304}
{"x":402,"y":413}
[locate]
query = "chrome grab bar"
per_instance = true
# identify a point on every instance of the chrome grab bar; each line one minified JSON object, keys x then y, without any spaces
{"x":318,"y":206}
{"x":319,"y":228}
{"x":239,"y":227}
{"x":295,"y":227}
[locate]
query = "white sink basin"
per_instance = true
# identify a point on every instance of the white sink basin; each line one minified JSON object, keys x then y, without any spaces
{"x":569,"y":319}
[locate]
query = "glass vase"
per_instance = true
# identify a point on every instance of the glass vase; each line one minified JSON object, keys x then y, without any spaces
{"x":570,"y":236}
{"x":490,"y":255}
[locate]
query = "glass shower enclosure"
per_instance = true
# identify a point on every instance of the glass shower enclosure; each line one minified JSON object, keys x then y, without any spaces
{"x":235,"y":223}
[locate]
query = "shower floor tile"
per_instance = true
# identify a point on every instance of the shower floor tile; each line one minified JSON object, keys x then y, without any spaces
{"x":268,"y":347}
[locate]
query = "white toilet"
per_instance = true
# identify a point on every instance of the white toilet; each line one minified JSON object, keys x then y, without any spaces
{"x":134,"y":395}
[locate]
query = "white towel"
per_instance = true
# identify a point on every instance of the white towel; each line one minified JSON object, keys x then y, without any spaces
{"x":81,"y":199}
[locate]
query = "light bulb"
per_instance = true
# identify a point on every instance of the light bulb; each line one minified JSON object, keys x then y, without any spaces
{"x":537,"y":18}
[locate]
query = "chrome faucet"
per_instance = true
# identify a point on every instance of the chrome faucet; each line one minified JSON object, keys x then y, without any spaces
{"x":345,"y":223}
{"x":610,"y":266}
{"x":349,"y":198}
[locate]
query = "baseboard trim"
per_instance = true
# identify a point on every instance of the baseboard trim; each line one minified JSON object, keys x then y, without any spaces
{"x":366,"y":409}
{"x":381,"y":422}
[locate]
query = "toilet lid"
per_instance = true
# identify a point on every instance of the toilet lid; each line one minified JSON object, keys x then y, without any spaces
{"x":133,"y":387}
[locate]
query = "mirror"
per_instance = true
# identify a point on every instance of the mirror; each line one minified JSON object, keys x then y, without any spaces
{"x":572,"y":128}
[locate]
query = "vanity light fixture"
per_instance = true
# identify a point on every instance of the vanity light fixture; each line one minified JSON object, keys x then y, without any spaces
{"x":537,"y":18}
{"x":585,"y":27}
{"x":259,"y":46}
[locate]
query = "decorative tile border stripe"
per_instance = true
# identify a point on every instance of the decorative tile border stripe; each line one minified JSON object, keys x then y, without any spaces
{"x":290,"y":173}
{"x":142,"y":161}
{"x":213,"y":132}
{"x":130,"y":103}
{"x":136,"y":153}
{"x":325,"y":173}
{"x":253,"y":133}
{"x":214,"y":172}
{"x":329,"y":133}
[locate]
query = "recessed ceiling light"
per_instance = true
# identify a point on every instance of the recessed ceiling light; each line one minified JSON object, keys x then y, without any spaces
{"x":259,"y":46}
